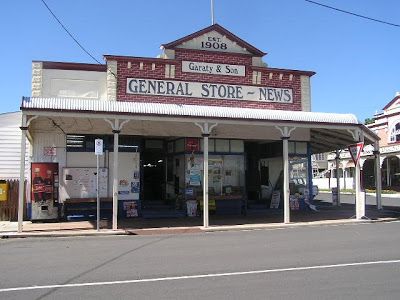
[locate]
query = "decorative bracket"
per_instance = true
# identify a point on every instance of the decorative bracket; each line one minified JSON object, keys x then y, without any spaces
{"x":285,"y":131}
{"x":205,"y":128}
{"x":116,"y":126}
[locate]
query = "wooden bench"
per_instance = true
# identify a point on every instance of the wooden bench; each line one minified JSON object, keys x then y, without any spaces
{"x":87,"y":207}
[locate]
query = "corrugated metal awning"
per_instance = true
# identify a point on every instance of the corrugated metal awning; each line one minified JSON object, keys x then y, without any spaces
{"x":182,"y":110}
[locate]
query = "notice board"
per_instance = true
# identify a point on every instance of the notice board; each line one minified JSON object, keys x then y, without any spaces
{"x":81,"y":182}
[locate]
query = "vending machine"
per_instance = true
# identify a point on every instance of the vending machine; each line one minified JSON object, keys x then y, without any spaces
{"x":44,"y":191}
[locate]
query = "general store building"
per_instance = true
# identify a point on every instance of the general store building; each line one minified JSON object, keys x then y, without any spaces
{"x":208,"y":100}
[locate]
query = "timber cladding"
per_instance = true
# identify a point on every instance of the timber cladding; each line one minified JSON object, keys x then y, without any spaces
{"x":9,"y":207}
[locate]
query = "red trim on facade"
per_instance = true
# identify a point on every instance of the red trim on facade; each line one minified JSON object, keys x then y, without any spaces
{"x":221,"y":30}
{"x":73,"y":66}
{"x":391,"y":102}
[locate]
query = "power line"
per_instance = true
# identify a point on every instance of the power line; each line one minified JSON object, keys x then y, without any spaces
{"x":353,"y":14}
{"x":69,"y":33}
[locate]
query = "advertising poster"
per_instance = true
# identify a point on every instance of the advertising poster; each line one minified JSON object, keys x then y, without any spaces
{"x":131,"y":209}
{"x":44,"y":191}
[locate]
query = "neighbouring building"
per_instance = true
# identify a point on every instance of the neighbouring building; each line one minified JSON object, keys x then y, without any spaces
{"x":386,"y":125}
{"x":207,"y":121}
{"x":10,"y":146}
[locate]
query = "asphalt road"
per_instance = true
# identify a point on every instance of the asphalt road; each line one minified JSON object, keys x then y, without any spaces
{"x":321,"y":262}
{"x":392,"y":200}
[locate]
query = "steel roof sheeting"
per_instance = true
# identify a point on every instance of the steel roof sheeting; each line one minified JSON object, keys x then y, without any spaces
{"x":182,"y":110}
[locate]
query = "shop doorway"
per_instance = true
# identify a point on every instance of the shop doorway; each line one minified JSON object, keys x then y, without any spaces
{"x":153,"y":170}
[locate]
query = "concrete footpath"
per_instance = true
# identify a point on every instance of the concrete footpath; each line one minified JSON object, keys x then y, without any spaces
{"x":261,"y":219}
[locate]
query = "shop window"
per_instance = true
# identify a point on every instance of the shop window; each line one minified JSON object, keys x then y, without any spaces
{"x":180,"y":145}
{"x":154,"y":144}
{"x":237,"y":146}
{"x":292,"y":147}
{"x":126,"y":143}
{"x":75,"y":142}
{"x":298,"y":148}
{"x":301,"y":148}
{"x":84,"y":143}
{"x":170,"y":147}
{"x":211,"y":145}
{"x":221,"y":145}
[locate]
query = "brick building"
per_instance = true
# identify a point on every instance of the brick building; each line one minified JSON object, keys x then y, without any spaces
{"x":208,"y":114}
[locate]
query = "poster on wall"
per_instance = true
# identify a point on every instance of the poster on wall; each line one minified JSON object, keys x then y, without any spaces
{"x":128,"y":176}
{"x":194,"y":165}
{"x":44,"y":191}
{"x":131,"y":209}
{"x":195,"y":177}
{"x":81,"y":182}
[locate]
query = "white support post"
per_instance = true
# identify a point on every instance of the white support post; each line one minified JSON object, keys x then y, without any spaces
{"x":115,"y":175}
{"x":337,"y":159}
{"x":21,"y":186}
{"x":116,"y":129}
{"x":205,"y":130}
{"x":285,"y":136}
{"x":205,"y":180}
{"x":388,"y":181}
{"x":360,"y":195}
{"x":286,"y":191}
{"x":378,"y":177}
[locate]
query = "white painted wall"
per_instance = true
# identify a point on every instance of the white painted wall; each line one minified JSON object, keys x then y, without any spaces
{"x":325,"y":183}
{"x":128,"y":163}
{"x":74,"y":84}
{"x":10,"y":146}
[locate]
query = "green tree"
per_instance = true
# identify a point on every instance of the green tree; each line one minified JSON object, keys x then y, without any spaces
{"x":368,"y":121}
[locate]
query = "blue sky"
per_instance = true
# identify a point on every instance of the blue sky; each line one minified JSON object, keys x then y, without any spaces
{"x":357,"y":61}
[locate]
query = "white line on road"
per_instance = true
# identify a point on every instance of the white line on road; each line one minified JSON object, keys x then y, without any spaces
{"x":56,"y":286}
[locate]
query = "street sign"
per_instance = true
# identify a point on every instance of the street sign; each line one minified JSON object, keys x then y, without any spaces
{"x":98,"y":146}
{"x":355,"y":151}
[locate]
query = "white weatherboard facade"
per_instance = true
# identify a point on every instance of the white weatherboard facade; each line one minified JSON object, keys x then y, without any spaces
{"x":10,"y":146}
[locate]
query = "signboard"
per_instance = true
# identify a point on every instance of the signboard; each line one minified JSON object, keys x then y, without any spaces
{"x":355,"y":151}
{"x":173,"y":88}
{"x":192,"y":144}
{"x":214,"y":69}
{"x":98,"y":146}
{"x":335,"y":198}
{"x":275,"y":200}
{"x":213,"y":41}
{"x":49,"y":151}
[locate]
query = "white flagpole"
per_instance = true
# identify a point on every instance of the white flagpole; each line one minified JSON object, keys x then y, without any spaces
{"x":212,"y":12}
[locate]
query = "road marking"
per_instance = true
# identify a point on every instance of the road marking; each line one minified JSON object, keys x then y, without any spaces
{"x":56,"y":286}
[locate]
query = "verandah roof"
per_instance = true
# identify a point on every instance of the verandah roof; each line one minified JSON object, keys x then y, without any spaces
{"x":328,"y":130}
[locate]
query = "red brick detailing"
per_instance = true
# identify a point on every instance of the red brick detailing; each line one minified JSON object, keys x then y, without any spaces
{"x":212,"y":57}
